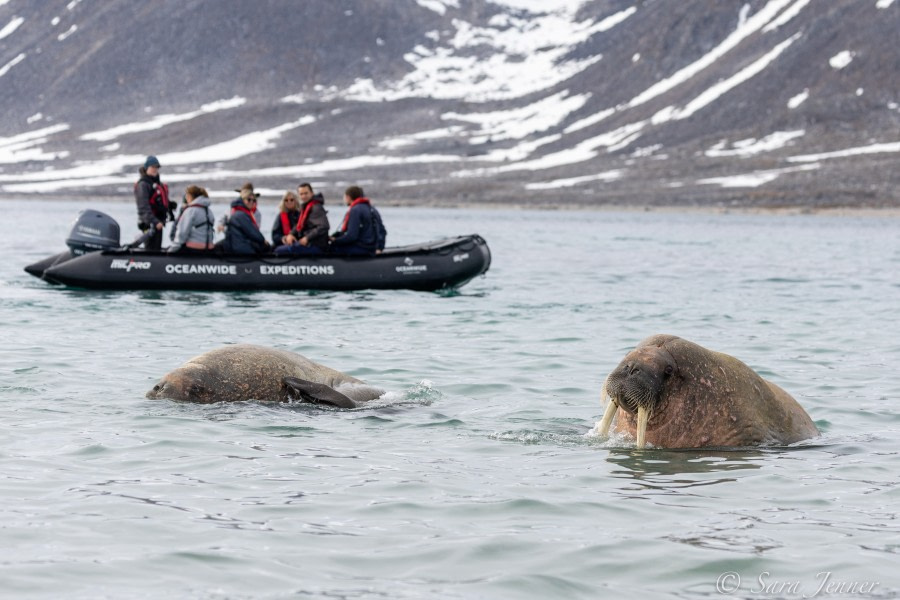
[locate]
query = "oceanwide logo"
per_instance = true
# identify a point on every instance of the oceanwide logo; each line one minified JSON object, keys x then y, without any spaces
{"x":409,"y":267}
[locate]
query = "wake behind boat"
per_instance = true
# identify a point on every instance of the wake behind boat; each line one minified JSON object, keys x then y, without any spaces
{"x":95,"y":261}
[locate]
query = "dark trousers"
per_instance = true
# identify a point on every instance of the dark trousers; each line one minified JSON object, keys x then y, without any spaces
{"x":154,"y":242}
{"x":297,"y":249}
{"x":352,"y":250}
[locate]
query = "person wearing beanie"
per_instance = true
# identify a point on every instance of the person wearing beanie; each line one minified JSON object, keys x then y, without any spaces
{"x":153,"y":205}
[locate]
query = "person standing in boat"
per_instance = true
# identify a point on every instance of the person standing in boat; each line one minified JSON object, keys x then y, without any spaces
{"x":242,"y":235}
{"x":194,"y":230}
{"x":309,"y":234}
{"x":153,"y":206}
{"x":362,"y":231}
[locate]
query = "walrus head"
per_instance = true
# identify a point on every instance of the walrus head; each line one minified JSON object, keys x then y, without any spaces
{"x":637,"y":385}
{"x":190,"y":383}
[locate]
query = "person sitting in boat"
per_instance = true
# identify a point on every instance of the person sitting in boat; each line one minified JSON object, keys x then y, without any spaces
{"x":362,"y":232}
{"x":245,"y":191}
{"x":242,"y":236}
{"x":194,"y":230}
{"x":309,"y":233}
{"x":286,"y":219}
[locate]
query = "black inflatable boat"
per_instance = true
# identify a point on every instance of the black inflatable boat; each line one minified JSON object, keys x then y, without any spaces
{"x":96,"y":261}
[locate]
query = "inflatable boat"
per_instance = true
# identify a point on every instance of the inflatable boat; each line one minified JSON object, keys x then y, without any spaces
{"x":95,"y":260}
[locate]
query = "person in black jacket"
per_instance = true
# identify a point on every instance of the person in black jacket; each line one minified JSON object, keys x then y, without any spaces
{"x":153,"y":206}
{"x":242,"y":235}
{"x":310,"y":231}
{"x":286,"y":219}
{"x":362,"y":232}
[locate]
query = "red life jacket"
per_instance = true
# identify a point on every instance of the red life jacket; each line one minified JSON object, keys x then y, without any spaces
{"x":352,"y":204}
{"x":244,"y":209}
{"x":285,"y":223}
{"x":159,"y":199}
{"x":305,"y":214}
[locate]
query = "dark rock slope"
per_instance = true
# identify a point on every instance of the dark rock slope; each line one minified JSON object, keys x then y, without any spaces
{"x":763,"y":103}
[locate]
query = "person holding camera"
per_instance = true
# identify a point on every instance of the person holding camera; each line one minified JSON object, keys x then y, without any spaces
{"x":242,"y":236}
{"x":194,"y":230}
{"x":153,"y":205}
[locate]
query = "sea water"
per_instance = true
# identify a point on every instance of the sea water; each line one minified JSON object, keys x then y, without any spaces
{"x":476,"y":476}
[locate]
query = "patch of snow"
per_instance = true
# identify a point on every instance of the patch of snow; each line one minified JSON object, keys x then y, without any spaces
{"x":588,"y":121}
{"x":754,"y":179}
{"x":581,"y":152}
{"x":526,"y":56}
{"x":841,"y":60}
{"x":859,"y":91}
{"x":561,"y":183}
{"x":720,"y":88}
{"x":295,"y":99}
{"x":412,"y":139}
{"x":438,"y":6}
{"x":54,"y":22}
{"x":859,"y":150}
{"x":111,"y":147}
{"x":239,"y":147}
{"x":786,"y":16}
{"x":73,"y":4}
{"x":34,"y":118}
{"x":519,"y":152}
{"x":883,"y":3}
{"x":161,"y":121}
{"x":521,"y":122}
{"x":752,"y":146}
{"x":636,"y":57}
{"x":11,"y":27}
{"x":109,"y":171}
{"x":5,"y":68}
{"x":799,"y":99}
{"x":22,"y":147}
{"x":67,"y":33}
{"x":744,"y":30}
{"x":646,"y":151}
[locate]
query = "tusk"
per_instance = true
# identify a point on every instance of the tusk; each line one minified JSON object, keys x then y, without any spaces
{"x":642,"y":417}
{"x":608,"y":414}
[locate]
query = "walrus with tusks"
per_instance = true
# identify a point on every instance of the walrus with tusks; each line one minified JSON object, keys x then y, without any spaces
{"x":675,"y":394}
{"x":246,"y":372}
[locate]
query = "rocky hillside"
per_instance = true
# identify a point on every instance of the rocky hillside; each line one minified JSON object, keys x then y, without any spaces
{"x":757,"y":103}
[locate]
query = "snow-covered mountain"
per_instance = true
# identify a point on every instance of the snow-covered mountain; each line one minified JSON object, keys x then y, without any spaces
{"x":665,"y":102}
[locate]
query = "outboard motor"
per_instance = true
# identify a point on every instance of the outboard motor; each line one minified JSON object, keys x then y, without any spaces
{"x":93,"y":231}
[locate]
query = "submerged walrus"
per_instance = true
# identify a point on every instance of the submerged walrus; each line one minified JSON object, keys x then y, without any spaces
{"x":247,"y":372}
{"x":676,"y":394}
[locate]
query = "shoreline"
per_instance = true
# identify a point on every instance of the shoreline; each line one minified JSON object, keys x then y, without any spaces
{"x":563,"y":206}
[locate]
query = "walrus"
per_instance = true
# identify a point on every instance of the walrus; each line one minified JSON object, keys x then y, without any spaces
{"x":246,"y":372}
{"x":675,"y":394}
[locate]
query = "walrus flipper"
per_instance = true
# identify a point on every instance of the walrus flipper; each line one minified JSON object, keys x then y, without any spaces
{"x":318,"y":393}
